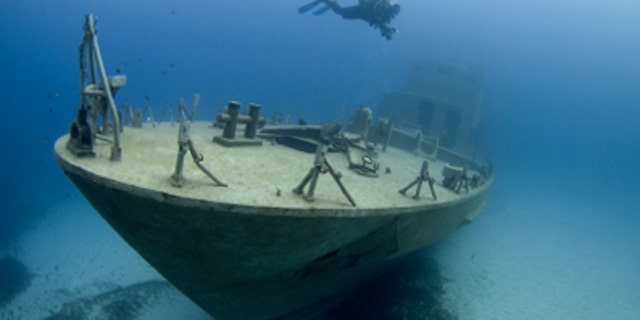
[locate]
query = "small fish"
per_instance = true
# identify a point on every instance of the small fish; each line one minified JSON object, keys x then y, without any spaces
{"x":163,"y":72}
{"x":146,"y":97}
{"x":171,"y":65}
{"x":173,"y":12}
{"x":50,"y":109}
{"x":118,"y":70}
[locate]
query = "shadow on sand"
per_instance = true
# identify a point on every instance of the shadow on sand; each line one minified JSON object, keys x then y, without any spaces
{"x":14,"y":278}
{"x":412,"y":289}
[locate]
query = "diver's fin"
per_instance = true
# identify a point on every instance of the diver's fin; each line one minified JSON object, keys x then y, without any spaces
{"x":308,"y":6}
{"x":321,"y":11}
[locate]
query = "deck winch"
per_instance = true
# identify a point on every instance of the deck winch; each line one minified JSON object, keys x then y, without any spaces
{"x":455,"y":178}
{"x":96,"y":99}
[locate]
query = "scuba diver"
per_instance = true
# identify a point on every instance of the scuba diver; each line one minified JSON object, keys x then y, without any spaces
{"x":378,"y":13}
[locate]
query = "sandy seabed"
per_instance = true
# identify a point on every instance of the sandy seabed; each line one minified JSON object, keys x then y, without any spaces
{"x":551,"y":255}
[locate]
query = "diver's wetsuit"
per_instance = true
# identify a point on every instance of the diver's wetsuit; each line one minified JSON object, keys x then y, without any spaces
{"x":378,"y":13}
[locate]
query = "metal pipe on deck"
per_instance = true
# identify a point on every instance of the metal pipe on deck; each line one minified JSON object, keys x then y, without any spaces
{"x":116,"y":150}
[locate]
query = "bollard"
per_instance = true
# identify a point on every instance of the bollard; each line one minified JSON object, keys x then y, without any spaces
{"x":230,"y":121}
{"x":233,"y":108}
{"x":252,"y":125}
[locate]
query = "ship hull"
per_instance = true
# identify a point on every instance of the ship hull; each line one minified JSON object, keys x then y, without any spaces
{"x":259,"y":263}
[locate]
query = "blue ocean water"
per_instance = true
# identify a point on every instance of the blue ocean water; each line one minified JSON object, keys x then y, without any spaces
{"x":562,"y":114}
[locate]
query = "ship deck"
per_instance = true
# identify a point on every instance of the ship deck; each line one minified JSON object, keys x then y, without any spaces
{"x":257,"y":176}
